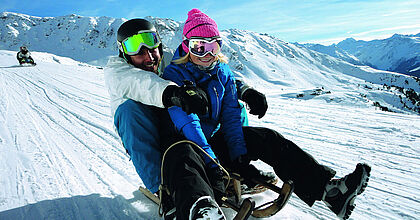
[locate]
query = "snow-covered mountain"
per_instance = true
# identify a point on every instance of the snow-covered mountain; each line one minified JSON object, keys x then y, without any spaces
{"x":259,"y":57}
{"x":61,"y":159}
{"x":81,"y":38}
{"x":399,"y":53}
{"x":86,"y":39}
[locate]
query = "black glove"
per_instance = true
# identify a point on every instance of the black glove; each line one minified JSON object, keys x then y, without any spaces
{"x":256,"y":101}
{"x":242,"y":166}
{"x":189,"y":97}
{"x":215,"y":176}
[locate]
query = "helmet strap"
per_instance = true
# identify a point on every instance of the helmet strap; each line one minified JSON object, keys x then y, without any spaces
{"x":125,"y":57}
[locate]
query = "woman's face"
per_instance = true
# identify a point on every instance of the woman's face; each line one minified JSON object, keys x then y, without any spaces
{"x":203,"y":61}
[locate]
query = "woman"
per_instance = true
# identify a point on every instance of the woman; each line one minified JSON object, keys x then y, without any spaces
{"x":222,"y":137}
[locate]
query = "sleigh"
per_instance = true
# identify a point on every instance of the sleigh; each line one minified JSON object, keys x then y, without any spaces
{"x":244,"y":207}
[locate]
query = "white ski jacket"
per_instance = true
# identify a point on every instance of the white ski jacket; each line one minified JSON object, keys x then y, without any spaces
{"x":21,"y":55}
{"x":124,"y":81}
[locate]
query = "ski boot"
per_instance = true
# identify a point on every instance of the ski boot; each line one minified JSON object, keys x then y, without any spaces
{"x":206,"y":208}
{"x":339,"y":194}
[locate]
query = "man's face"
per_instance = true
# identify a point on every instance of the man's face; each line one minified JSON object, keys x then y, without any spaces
{"x":147,"y":59}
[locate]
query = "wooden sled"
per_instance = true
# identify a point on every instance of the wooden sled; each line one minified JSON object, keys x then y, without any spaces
{"x":246,"y":207}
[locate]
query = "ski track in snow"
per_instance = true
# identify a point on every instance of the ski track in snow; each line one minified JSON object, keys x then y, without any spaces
{"x":61,"y":159}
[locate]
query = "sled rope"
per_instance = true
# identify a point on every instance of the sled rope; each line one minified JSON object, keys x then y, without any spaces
{"x":163,"y":187}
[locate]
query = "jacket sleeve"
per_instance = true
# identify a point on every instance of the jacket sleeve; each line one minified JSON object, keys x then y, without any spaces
{"x":231,"y":119}
{"x":188,"y":125}
{"x":241,"y":87}
{"x":126,"y":81}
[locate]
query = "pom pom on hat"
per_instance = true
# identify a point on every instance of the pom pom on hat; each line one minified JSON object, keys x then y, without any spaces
{"x":199,"y":24}
{"x":194,"y":11}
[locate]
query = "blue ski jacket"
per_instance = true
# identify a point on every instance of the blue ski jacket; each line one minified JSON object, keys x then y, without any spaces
{"x":224,"y":112}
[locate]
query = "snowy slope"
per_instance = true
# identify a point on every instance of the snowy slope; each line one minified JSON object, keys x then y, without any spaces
{"x":60,"y":158}
{"x":399,"y":53}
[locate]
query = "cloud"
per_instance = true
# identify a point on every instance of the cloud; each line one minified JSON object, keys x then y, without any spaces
{"x":407,"y":29}
{"x":321,"y":20}
{"x":90,"y":12}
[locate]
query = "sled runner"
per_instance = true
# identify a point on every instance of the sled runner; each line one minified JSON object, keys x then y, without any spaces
{"x":27,"y":62}
{"x":267,"y":209}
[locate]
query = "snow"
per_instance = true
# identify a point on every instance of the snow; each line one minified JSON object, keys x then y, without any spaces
{"x":61,"y":159}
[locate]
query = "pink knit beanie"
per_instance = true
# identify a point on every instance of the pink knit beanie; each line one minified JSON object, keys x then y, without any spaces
{"x":199,"y":24}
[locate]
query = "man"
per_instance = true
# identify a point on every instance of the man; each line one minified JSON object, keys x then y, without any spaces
{"x":139,"y":97}
{"x":138,"y":94}
{"x":24,"y":56}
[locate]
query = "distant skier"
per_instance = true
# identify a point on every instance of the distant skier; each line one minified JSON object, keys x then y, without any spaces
{"x":24,"y":56}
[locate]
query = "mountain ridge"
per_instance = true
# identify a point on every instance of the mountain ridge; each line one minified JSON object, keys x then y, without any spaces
{"x":398,"y":53}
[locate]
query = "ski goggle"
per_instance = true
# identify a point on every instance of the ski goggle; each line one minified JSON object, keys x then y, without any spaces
{"x":133,"y":44}
{"x":201,"y":47}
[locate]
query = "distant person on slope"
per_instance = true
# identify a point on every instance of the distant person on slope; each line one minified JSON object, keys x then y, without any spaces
{"x":24,"y":56}
{"x":139,"y":97}
{"x":220,"y":134}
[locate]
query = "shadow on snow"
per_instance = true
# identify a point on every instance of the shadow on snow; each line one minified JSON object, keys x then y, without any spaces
{"x":85,"y":207}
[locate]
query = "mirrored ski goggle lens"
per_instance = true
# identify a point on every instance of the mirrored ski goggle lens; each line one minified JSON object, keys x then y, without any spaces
{"x":202,"y":47}
{"x":134,"y":43}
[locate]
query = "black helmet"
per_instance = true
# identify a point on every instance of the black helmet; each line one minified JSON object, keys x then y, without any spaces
{"x":130,"y":28}
{"x":23,"y":49}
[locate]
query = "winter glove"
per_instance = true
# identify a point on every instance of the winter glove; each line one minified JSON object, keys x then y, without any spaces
{"x":189,"y":97}
{"x":256,"y":101}
{"x":242,"y":166}
{"x":215,"y":176}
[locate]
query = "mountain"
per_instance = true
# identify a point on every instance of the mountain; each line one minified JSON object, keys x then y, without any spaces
{"x":258,"y":57}
{"x":86,"y":39}
{"x":399,"y":53}
{"x":61,"y":159}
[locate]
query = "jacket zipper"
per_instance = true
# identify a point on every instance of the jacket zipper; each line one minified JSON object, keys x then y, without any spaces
{"x":217,"y":102}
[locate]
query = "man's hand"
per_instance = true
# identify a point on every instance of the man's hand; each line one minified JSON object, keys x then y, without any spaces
{"x":215,"y":176}
{"x":256,"y":101}
{"x":189,"y":97}
{"x":242,"y":166}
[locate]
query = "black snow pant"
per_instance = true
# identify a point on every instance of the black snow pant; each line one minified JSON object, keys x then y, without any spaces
{"x":288,"y":160}
{"x":184,"y":174}
{"x":184,"y":170}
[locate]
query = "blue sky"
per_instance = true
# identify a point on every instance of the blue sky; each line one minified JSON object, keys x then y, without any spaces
{"x":316,"y":21}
